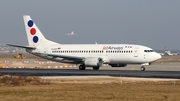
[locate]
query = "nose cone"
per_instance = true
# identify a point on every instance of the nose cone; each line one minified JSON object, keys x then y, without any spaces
{"x":157,"y":56}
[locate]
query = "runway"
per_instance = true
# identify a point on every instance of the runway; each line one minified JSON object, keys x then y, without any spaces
{"x":168,"y":70}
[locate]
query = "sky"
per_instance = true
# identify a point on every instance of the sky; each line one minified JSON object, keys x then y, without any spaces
{"x":153,"y":23}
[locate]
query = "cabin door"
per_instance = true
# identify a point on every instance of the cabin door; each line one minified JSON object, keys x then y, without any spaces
{"x":45,"y":50}
{"x":136,"y":52}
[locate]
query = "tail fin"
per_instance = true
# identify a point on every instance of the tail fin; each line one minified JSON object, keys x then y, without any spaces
{"x":34,"y":35}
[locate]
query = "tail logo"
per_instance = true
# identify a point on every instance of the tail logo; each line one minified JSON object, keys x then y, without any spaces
{"x":33,"y":31}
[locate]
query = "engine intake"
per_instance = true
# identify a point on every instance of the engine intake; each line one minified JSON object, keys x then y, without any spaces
{"x":93,"y":62}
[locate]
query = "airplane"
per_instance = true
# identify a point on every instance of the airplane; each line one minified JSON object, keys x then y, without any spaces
{"x":72,"y":33}
{"x":86,"y":55}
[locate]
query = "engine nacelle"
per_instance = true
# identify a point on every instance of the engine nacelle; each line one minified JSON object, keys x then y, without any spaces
{"x":118,"y":65}
{"x":93,"y":62}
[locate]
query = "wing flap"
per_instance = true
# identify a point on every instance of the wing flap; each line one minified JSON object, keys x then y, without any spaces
{"x":75,"y":58}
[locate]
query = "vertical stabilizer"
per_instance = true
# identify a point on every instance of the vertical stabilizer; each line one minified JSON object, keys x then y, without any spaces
{"x":34,"y":35}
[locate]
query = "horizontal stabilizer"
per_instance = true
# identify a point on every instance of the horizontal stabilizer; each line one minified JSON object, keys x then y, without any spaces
{"x":27,"y":47}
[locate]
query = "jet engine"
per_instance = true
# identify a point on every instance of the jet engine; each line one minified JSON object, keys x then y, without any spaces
{"x":93,"y":62}
{"x":118,"y":65}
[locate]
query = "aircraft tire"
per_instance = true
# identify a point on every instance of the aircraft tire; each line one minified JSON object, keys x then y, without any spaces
{"x":82,"y":67}
{"x":96,"y":68}
{"x":143,"y":68}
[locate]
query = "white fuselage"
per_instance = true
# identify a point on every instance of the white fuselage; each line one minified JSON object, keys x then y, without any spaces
{"x":110,"y":53}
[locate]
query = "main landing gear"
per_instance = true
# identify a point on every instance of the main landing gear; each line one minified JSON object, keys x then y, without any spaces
{"x":83,"y":67}
{"x":96,"y":68}
{"x":143,"y":68}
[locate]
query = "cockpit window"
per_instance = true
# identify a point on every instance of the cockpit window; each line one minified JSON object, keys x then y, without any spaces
{"x":148,"y":50}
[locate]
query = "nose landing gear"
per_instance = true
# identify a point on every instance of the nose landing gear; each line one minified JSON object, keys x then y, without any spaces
{"x":143,"y":68}
{"x":144,"y":64}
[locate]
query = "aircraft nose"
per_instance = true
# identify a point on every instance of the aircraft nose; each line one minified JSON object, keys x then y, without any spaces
{"x":158,"y":56}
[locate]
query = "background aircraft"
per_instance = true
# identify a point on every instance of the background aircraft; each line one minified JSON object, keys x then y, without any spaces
{"x":71,"y":34}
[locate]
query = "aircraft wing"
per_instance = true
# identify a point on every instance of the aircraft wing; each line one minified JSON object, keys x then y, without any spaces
{"x":74,"y":58}
{"x":27,"y":47}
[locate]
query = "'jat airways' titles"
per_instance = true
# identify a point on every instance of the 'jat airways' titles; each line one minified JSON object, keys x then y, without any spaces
{"x":112,"y":48}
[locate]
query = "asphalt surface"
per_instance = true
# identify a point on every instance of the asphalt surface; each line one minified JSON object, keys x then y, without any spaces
{"x":160,"y":70}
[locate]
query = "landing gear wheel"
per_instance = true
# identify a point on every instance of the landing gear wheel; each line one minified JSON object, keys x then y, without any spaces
{"x":143,"y":68}
{"x":96,"y":68}
{"x":82,"y":67}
